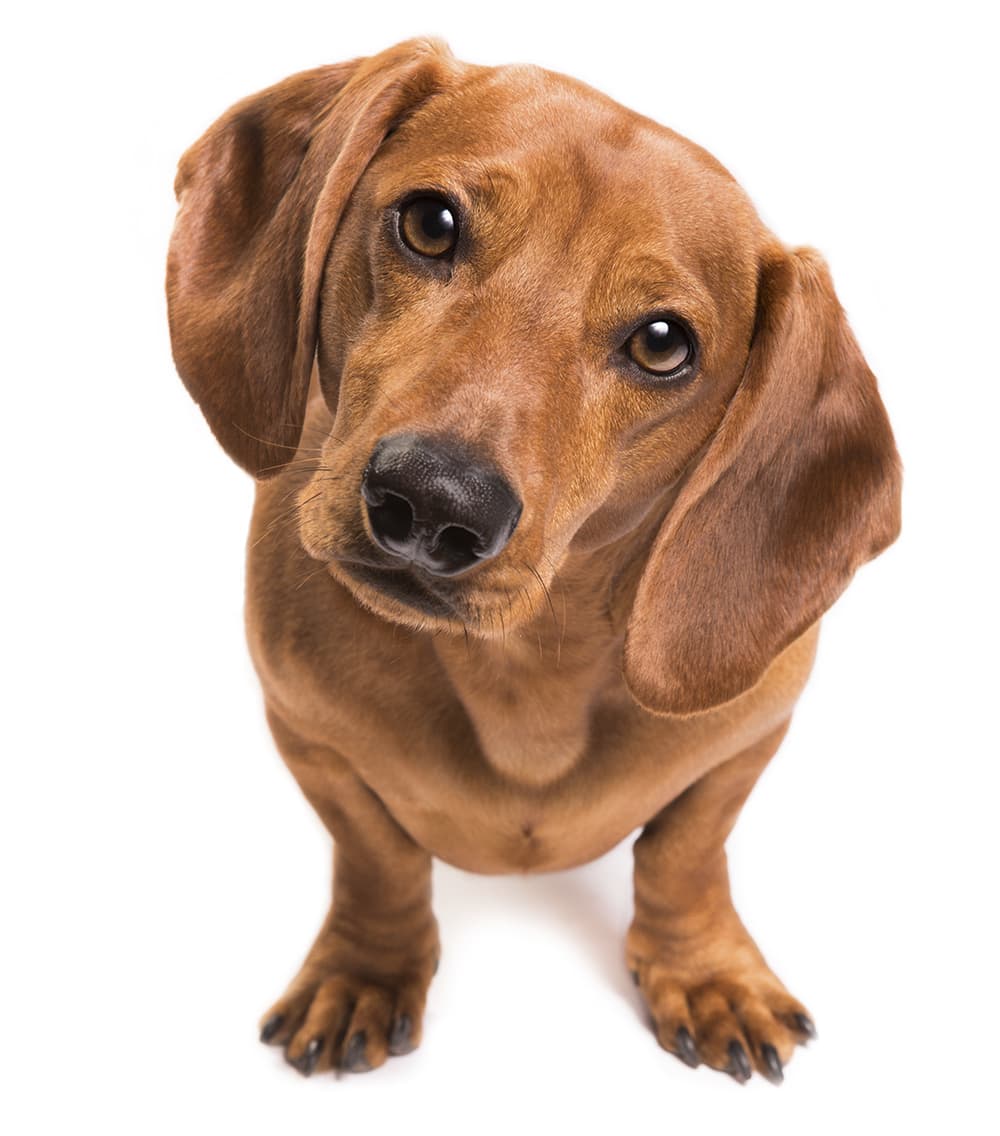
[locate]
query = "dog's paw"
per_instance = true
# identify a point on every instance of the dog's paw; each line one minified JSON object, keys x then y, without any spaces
{"x":332,"y":1017}
{"x":734,"y":1021}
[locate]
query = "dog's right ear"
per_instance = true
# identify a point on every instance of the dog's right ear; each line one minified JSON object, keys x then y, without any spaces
{"x":261,"y":193}
{"x":799,"y":486}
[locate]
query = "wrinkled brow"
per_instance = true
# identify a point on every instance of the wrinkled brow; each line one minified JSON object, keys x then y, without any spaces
{"x":625,"y":289}
{"x":473,"y":181}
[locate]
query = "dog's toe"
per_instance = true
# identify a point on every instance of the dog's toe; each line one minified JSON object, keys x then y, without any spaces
{"x":306,"y":1058}
{"x":346,"y":1022}
{"x":733,"y":1023}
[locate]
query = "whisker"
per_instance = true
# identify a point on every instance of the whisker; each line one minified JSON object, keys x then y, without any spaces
{"x":303,"y":426}
{"x":265,"y":441}
{"x":292,"y":465}
{"x":309,"y":575}
{"x":562,"y":595}
{"x":548,"y":597}
{"x":283,"y":516}
{"x":510,"y":605}
{"x":273,"y":525}
{"x":291,"y":493}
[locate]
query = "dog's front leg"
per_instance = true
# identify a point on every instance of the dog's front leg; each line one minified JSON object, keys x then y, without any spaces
{"x":712,"y":996}
{"x":360,"y":993}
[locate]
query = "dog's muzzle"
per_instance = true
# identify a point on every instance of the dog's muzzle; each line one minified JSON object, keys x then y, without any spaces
{"x":431,"y":501}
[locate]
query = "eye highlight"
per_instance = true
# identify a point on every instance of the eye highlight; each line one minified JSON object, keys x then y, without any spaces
{"x":662,"y":347}
{"x":429,"y":226}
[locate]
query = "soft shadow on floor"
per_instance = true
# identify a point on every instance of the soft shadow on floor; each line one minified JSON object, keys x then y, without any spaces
{"x":592,"y":903}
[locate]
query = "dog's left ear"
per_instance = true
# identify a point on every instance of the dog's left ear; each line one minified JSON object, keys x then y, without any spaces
{"x":799,"y":486}
{"x":261,"y":194}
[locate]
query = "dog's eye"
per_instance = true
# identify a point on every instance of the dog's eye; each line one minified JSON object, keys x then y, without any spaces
{"x":660,"y":347}
{"x":428,"y":226}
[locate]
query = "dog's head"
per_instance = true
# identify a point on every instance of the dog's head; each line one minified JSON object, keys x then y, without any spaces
{"x":544,"y":325}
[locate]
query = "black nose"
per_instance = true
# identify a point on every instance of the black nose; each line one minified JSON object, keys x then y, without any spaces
{"x":430,"y":500}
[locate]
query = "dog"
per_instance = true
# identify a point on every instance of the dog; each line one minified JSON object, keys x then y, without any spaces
{"x":560,"y":456}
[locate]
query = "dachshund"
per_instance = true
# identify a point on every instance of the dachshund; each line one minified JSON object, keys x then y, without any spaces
{"x":560,"y":456}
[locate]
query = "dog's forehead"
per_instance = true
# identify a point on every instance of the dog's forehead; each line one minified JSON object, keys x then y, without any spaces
{"x":542,"y":120}
{"x":521,"y":136}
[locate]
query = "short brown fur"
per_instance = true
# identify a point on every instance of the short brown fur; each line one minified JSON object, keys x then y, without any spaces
{"x":632,"y":657}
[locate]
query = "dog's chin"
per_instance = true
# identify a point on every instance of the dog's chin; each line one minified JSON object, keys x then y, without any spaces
{"x":401,"y":596}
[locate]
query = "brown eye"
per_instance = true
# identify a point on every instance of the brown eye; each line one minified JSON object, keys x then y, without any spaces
{"x":428,"y":226}
{"x":660,"y":347}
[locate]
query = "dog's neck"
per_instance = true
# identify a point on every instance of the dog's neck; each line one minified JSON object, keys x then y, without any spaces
{"x":557,"y":672}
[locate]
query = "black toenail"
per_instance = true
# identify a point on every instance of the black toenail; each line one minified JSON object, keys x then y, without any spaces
{"x":772,"y":1064}
{"x":804,"y":1024}
{"x":354,"y":1055}
{"x":307,"y":1062}
{"x":271,"y":1027}
{"x":401,"y":1036}
{"x":739,"y":1064}
{"x":687,"y":1051}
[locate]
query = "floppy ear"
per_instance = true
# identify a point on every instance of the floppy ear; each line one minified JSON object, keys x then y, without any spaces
{"x":799,"y":486}
{"x":261,"y":193}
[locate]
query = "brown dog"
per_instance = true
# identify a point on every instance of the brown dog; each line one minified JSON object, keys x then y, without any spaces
{"x":538,"y":555}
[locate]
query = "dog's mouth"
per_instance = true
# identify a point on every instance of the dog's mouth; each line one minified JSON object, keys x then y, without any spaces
{"x":398,"y":585}
{"x":401,"y":594}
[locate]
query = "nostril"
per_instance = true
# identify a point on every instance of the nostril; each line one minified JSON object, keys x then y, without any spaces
{"x":436,"y":503}
{"x":392,"y":518}
{"x":458,"y":545}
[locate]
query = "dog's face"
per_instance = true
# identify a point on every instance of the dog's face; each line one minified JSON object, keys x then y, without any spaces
{"x":542,"y":323}
{"x":545,"y":299}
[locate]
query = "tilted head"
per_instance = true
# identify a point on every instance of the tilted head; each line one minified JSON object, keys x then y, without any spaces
{"x":542,"y":324}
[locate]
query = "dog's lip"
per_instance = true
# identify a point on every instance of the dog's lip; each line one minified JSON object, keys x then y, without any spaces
{"x":398,"y":583}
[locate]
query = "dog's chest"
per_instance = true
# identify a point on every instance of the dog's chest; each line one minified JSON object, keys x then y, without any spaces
{"x":532,"y":713}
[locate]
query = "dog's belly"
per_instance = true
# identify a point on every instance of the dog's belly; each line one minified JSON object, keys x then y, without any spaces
{"x":454,"y":803}
{"x":413,"y":744}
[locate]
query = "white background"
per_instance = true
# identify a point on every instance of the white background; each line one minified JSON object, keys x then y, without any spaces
{"x":162,"y":876}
